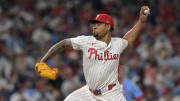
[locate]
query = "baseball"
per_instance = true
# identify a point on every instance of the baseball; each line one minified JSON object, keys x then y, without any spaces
{"x":147,"y":11}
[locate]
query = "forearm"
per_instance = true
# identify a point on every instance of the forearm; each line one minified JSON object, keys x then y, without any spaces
{"x":60,"y":46}
{"x":131,"y":35}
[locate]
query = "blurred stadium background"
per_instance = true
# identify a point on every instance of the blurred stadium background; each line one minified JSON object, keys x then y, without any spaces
{"x":29,"y":27}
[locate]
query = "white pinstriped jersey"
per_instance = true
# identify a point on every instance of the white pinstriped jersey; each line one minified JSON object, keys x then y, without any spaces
{"x":100,"y":61}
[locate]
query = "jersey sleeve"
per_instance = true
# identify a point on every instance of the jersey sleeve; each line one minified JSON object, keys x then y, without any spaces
{"x":79,"y":42}
{"x":122,"y":43}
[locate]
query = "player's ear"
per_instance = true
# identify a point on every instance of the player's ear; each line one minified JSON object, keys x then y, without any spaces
{"x":109,"y":27}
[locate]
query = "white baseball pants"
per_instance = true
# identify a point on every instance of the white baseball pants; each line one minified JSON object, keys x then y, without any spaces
{"x":84,"y":94}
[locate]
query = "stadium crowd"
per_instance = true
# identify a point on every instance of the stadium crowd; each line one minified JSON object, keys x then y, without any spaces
{"x":29,"y":27}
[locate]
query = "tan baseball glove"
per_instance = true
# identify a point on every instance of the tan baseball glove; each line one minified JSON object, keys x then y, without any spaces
{"x":45,"y":71}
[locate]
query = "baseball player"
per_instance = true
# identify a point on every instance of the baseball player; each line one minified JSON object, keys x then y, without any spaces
{"x":101,"y":54}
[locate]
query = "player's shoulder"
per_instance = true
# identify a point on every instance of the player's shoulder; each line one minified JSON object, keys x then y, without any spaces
{"x":120,"y":41}
{"x":117,"y":39}
{"x":84,"y":37}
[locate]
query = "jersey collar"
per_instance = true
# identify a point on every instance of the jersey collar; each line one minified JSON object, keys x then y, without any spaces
{"x":102,"y":45}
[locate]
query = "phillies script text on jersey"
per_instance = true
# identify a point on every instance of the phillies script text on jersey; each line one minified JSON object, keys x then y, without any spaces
{"x":106,"y":55}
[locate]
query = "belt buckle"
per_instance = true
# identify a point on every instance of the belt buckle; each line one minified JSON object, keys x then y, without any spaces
{"x":97,"y":92}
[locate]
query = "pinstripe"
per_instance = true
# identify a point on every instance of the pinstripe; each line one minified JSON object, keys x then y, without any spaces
{"x":98,"y":73}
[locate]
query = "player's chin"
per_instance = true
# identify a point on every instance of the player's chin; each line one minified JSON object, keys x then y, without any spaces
{"x":96,"y":35}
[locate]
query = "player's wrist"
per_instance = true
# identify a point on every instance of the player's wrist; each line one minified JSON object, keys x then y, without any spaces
{"x":141,"y":21}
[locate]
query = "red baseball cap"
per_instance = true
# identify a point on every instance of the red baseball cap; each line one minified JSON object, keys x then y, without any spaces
{"x":104,"y":18}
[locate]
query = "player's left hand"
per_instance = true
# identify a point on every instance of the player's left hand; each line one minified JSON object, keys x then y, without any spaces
{"x":144,"y":12}
{"x":45,"y":71}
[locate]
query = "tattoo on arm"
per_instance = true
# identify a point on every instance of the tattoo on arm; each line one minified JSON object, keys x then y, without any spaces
{"x":58,"y":47}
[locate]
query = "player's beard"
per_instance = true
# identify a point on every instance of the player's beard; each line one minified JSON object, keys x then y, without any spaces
{"x":96,"y":35}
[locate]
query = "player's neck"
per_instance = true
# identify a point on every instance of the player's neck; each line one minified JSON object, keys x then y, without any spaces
{"x":106,"y":38}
